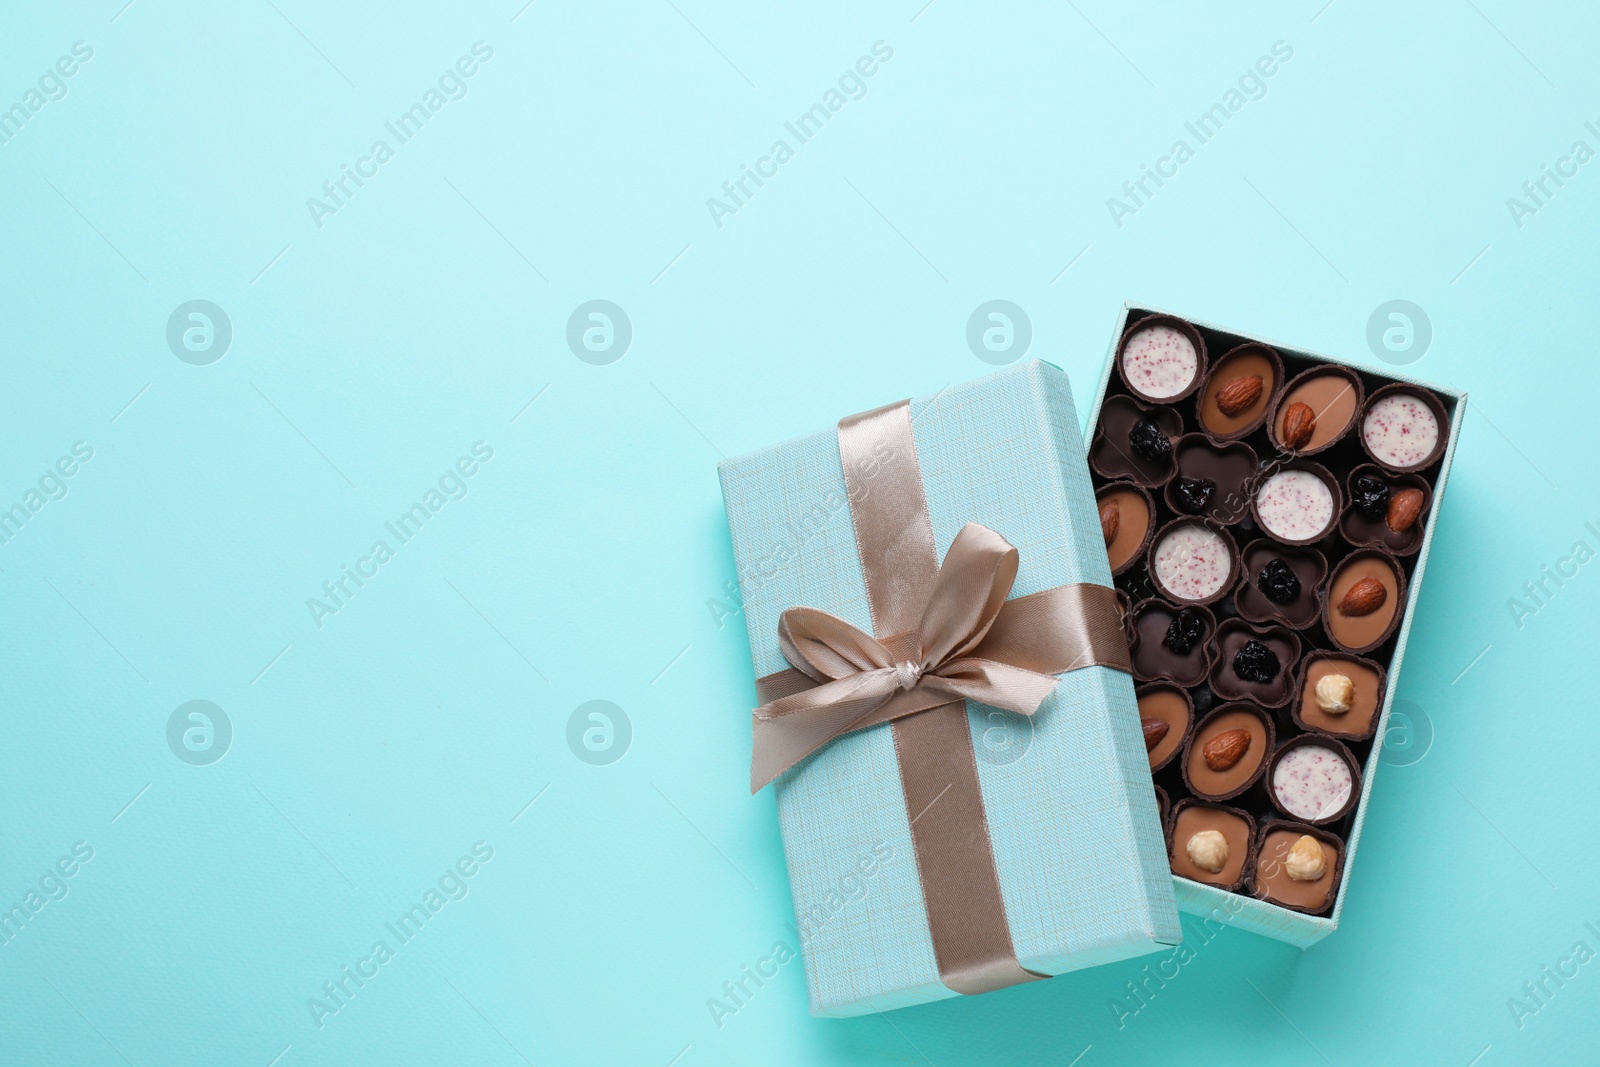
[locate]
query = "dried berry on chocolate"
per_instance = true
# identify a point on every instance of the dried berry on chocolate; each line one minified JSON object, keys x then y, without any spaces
{"x":1255,"y":662}
{"x":1193,"y":494}
{"x":1371,"y":497}
{"x":1278,"y":583}
{"x":1148,"y":442}
{"x":1186,"y":628}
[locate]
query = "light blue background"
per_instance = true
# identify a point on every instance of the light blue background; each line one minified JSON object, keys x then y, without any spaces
{"x":369,"y":754}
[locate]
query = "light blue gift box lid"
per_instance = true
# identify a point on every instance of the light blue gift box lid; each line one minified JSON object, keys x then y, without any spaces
{"x":1072,"y":815}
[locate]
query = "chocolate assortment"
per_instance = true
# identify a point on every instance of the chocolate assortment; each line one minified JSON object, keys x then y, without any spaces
{"x":1261,"y":670}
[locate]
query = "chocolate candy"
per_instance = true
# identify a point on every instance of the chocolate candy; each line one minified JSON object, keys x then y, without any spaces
{"x":1298,"y":503}
{"x":1228,"y":752}
{"x":1161,"y":358}
{"x":1135,"y":521}
{"x":1252,"y":599}
{"x":1193,"y":562}
{"x":1213,"y":481}
{"x":1112,"y":454}
{"x":1192,"y":818}
{"x":1362,"y":605}
{"x":1388,"y":511}
{"x":1239,"y":392}
{"x":1332,"y":393}
{"x":1313,"y":779}
{"x":1255,"y":663}
{"x":1154,"y":657}
{"x":1170,"y":706}
{"x":1403,"y":428}
{"x":1339,"y":695}
{"x":1280,"y":869}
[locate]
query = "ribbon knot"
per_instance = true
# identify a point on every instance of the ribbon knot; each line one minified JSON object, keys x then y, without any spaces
{"x":861,"y":681}
{"x":907,"y":674}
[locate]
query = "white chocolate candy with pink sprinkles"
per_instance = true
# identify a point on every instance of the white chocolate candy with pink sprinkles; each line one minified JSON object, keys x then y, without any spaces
{"x":1312,"y":782}
{"x":1295,"y":505}
{"x":1400,"y":430}
{"x":1160,"y":361}
{"x":1192,"y":562}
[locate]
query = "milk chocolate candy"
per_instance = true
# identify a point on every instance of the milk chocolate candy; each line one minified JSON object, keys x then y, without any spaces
{"x":1238,"y":829}
{"x":1170,"y":706}
{"x":1363,"y":600}
{"x":1248,"y":369}
{"x":1332,"y":393}
{"x":1360,"y":700}
{"x":1135,"y":522}
{"x":1271,"y":871}
{"x":1214,"y":764}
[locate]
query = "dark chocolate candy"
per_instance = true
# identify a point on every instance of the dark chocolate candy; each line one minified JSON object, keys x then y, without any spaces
{"x":1269,"y":689}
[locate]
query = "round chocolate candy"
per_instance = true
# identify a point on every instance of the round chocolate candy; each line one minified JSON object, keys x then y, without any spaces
{"x":1228,"y":751}
{"x":1193,"y":561}
{"x":1161,"y":359}
{"x":1298,"y":503}
{"x":1404,"y":428}
{"x":1313,"y":779}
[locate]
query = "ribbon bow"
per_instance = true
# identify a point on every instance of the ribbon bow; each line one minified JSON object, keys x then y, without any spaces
{"x":857,"y":680}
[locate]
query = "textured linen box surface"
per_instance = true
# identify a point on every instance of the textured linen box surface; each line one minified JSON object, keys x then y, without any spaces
{"x":1237,"y":909}
{"x":1074,"y":829}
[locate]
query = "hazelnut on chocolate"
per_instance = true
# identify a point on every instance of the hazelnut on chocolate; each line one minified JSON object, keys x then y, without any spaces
{"x":1335,"y":694}
{"x":1208,"y":850}
{"x":1305,"y":862}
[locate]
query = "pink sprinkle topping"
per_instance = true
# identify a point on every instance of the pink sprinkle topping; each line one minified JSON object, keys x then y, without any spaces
{"x":1295,"y":505}
{"x":1192,"y":562}
{"x":1401,"y":430}
{"x":1160,"y":361}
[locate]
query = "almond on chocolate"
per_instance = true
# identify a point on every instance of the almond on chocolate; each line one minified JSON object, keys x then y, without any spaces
{"x":1363,"y":598}
{"x":1299,"y":423}
{"x":1226,"y":749}
{"x":1404,"y":507}
{"x":1154,"y":731}
{"x":1110,"y":520}
{"x":1239,"y":394}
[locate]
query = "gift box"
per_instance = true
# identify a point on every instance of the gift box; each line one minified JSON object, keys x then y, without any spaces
{"x":1227,"y":446}
{"x":960,"y":776}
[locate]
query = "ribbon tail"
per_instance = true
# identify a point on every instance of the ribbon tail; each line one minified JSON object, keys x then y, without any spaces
{"x":791,"y":728}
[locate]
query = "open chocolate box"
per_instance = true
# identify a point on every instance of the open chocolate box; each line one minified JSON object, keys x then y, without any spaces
{"x":1267,"y":514}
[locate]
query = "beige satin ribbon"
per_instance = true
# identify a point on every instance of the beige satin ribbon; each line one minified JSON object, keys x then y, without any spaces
{"x":952,"y":637}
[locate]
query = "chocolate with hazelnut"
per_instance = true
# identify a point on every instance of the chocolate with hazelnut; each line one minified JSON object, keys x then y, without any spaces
{"x":1329,"y":680}
{"x":1296,"y":866}
{"x":1193,"y":819}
